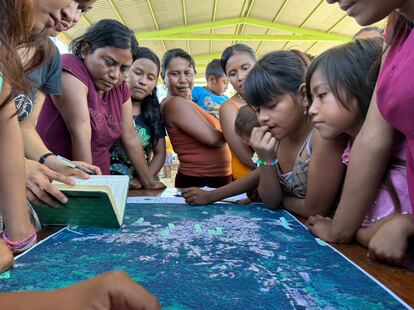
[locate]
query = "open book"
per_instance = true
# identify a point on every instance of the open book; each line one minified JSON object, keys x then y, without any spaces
{"x":98,"y":201}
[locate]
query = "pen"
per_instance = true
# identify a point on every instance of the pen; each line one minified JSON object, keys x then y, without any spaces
{"x":71,"y":164}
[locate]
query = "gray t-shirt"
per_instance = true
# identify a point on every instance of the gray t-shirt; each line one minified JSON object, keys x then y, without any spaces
{"x":47,"y":78}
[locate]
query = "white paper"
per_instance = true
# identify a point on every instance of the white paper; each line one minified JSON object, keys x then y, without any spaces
{"x":155,"y":199}
{"x":232,"y":198}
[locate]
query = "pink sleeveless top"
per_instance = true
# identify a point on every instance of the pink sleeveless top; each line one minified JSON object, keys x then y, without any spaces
{"x":105,"y":117}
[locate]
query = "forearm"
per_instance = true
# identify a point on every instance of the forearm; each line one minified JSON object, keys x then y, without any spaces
{"x":269,"y":187}
{"x":296,"y":205}
{"x":136,"y":155}
{"x":363,"y":180}
{"x":12,"y":185}
{"x":34,"y":147}
{"x":81,"y":146}
{"x":157,"y":162}
{"x":237,"y":187}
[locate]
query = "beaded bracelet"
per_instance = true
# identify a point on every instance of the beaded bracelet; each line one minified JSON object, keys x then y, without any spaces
{"x":260,"y":162}
{"x":20,"y":245}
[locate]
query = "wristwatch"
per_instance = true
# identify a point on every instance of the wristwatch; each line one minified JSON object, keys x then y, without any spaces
{"x":42,"y":158}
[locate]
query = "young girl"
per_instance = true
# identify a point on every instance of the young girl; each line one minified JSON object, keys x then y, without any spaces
{"x":95,"y":109}
{"x":340,"y":83}
{"x":298,"y":169}
{"x":391,"y":108}
{"x":195,"y":134}
{"x":237,"y":61}
{"x":142,"y":82}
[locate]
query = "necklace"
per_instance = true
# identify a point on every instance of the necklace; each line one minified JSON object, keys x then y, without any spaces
{"x":240,"y":97}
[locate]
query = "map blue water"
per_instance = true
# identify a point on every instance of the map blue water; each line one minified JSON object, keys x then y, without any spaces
{"x":207,"y":257}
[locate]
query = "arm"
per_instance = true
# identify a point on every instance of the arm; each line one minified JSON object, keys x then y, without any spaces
{"x":325,"y":175}
{"x":158,"y":159}
{"x":112,"y":290}
{"x":12,"y":190}
{"x":228,"y":113}
{"x":390,"y":242}
{"x":370,"y":155}
{"x":182,"y":114}
{"x":269,"y":186}
{"x":197,"y":196}
{"x":73,"y":106}
{"x":134,"y":149}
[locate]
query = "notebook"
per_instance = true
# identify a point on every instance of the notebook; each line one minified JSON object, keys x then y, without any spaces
{"x":99,"y":201}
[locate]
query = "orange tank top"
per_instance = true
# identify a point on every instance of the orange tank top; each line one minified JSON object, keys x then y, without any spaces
{"x":238,"y":169}
{"x":197,"y":159}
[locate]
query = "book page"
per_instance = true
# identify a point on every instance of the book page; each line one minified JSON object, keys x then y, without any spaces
{"x":119,"y":185}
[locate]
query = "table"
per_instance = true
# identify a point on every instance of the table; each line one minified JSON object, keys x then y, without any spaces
{"x":398,"y":280}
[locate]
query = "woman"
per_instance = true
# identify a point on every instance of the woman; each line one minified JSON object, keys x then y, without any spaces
{"x":142,"y":82}
{"x":46,"y":80}
{"x":195,"y":134}
{"x":95,"y":108}
{"x":237,"y":61}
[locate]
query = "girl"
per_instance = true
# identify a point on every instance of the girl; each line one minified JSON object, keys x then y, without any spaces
{"x":95,"y":109}
{"x":142,"y":82}
{"x":391,"y":108}
{"x":298,"y":169}
{"x":195,"y":134}
{"x":340,"y":83}
{"x":237,"y":61}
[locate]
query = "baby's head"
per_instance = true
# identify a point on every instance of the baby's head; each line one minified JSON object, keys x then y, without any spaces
{"x":246,"y":120}
{"x":217,"y":80}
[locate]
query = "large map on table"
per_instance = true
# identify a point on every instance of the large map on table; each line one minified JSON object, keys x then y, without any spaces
{"x":208,"y":257}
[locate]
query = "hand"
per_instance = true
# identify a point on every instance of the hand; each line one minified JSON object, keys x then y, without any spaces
{"x":113,"y":290}
{"x":134,"y":184}
{"x":6,"y":257}
{"x":390,"y":241}
{"x":321,"y":227}
{"x":39,"y":190}
{"x":56,"y":165}
{"x":157,"y":185}
{"x":263,"y":143}
{"x":195,"y":196}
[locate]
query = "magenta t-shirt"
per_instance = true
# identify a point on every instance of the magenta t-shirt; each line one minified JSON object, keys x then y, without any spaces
{"x":395,"y":97}
{"x":105,"y":117}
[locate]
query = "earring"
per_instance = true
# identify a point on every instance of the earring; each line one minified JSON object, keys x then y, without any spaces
{"x":305,"y":111}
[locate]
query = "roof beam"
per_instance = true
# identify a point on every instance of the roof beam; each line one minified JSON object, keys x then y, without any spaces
{"x":118,"y":15}
{"x":154,"y":19}
{"x":162,"y":34}
{"x":246,"y":37}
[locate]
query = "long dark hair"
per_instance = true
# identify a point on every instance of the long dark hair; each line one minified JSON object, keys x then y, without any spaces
{"x":276,"y":74}
{"x":15,"y":31}
{"x":351,"y":71}
{"x":150,"y":106}
{"x":106,"y":32}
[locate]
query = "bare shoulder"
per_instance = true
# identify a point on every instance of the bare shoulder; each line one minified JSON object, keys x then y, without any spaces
{"x":175,"y":103}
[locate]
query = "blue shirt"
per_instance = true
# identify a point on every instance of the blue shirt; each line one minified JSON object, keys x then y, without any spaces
{"x":207,"y":100}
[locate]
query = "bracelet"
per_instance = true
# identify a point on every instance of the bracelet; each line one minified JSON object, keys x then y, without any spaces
{"x":42,"y":158}
{"x":20,"y":245}
{"x":264,"y":163}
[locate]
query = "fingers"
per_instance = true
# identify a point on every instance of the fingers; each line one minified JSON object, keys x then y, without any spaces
{"x":53,"y":175}
{"x":78,"y":173}
{"x":96,"y":169}
{"x":47,"y":194}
